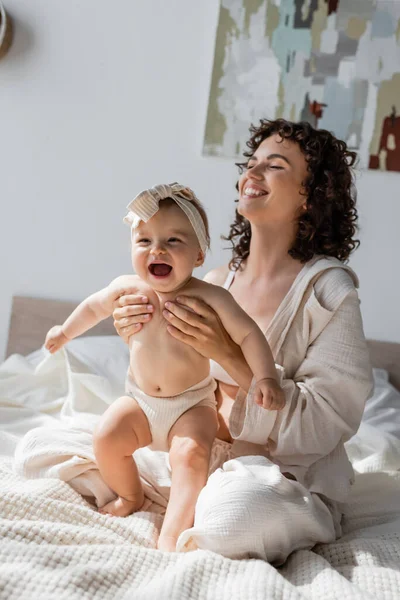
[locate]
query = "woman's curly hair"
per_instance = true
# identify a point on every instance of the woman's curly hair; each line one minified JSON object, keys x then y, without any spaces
{"x":328,"y":226}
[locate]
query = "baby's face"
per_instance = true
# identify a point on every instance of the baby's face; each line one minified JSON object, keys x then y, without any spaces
{"x":165,"y":250}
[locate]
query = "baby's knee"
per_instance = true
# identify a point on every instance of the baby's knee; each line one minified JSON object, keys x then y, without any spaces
{"x":189,"y":453}
{"x":111,"y":438}
{"x":123,"y":428}
{"x":104,"y":436}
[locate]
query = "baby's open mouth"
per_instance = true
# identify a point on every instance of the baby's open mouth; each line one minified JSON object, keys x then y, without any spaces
{"x":160,"y":269}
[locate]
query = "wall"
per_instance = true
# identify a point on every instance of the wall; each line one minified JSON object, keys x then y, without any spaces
{"x":98,"y":103}
{"x":377,"y":261}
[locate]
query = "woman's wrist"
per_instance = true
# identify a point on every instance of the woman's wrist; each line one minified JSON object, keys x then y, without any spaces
{"x":236,"y":366}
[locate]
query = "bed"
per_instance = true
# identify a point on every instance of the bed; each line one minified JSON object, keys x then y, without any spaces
{"x":54,"y":544}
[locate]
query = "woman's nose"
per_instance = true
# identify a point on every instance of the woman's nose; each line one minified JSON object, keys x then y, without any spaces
{"x":256,"y":173}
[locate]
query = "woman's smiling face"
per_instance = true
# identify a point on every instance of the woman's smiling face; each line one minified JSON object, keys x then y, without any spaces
{"x":271,"y":185}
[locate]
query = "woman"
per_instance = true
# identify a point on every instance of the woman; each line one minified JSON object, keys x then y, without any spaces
{"x":294,"y":230}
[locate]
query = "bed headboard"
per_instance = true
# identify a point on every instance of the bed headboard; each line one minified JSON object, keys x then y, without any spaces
{"x":386,"y":355}
{"x":31,"y":318}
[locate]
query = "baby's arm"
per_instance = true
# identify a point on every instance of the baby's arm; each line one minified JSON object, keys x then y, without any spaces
{"x":246,"y":333}
{"x":88,"y":313}
{"x":243,"y":330}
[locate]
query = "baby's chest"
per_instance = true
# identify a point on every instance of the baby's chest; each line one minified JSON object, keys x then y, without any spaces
{"x":154,"y":339}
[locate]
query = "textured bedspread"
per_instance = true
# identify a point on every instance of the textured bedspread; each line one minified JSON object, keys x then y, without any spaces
{"x":54,"y":544}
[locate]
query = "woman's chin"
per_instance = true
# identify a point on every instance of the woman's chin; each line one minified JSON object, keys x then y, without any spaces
{"x":247,"y":209}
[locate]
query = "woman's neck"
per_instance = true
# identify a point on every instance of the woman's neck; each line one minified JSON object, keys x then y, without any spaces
{"x":269,"y":252}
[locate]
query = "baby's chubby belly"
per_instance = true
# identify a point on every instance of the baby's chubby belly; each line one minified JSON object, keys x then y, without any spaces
{"x":161,"y":365}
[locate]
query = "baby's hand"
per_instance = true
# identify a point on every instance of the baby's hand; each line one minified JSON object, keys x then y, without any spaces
{"x":269,"y":394}
{"x":55,"y":339}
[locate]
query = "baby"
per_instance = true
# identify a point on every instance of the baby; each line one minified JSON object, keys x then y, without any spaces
{"x":169,"y":403}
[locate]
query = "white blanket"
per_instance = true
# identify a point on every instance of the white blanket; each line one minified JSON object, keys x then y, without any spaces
{"x":55,"y":544}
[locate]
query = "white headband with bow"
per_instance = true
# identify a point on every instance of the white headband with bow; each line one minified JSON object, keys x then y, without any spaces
{"x":147,"y":203}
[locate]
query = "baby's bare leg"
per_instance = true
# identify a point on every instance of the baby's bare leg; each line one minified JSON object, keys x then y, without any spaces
{"x":122,"y":429}
{"x":190,"y":438}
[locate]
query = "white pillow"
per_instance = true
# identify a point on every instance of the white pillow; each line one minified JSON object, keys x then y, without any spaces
{"x":104,"y":355}
{"x":382,"y":410}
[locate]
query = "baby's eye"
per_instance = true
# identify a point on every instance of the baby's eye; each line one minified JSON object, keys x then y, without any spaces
{"x":174,"y":239}
{"x":143,"y":240}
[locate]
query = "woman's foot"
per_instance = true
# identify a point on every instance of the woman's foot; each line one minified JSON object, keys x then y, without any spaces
{"x":167,"y":543}
{"x":122,"y":507}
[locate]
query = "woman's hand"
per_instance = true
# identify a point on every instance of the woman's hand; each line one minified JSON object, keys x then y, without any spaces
{"x":130,"y":312}
{"x":201,"y":329}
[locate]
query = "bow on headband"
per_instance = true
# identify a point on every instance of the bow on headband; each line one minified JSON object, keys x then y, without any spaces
{"x":147,"y":203}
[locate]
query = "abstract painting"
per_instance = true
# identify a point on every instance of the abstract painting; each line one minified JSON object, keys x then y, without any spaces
{"x":333,"y":63}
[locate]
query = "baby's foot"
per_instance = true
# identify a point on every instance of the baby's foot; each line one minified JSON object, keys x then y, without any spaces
{"x":167,"y":543}
{"x":122,"y":507}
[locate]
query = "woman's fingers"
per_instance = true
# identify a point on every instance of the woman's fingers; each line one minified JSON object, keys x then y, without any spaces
{"x":182,"y":337}
{"x":202,"y":329}
{"x":188,"y":335}
{"x":130,"y":299}
{"x":184,"y":314}
{"x":130,"y":311}
{"x":132,"y":328}
{"x":126,"y":332}
{"x":134,"y":320}
{"x":179,"y":323}
{"x":199,"y":306}
{"x":128,"y":319}
{"x":125,"y":315}
{"x":123,"y":323}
